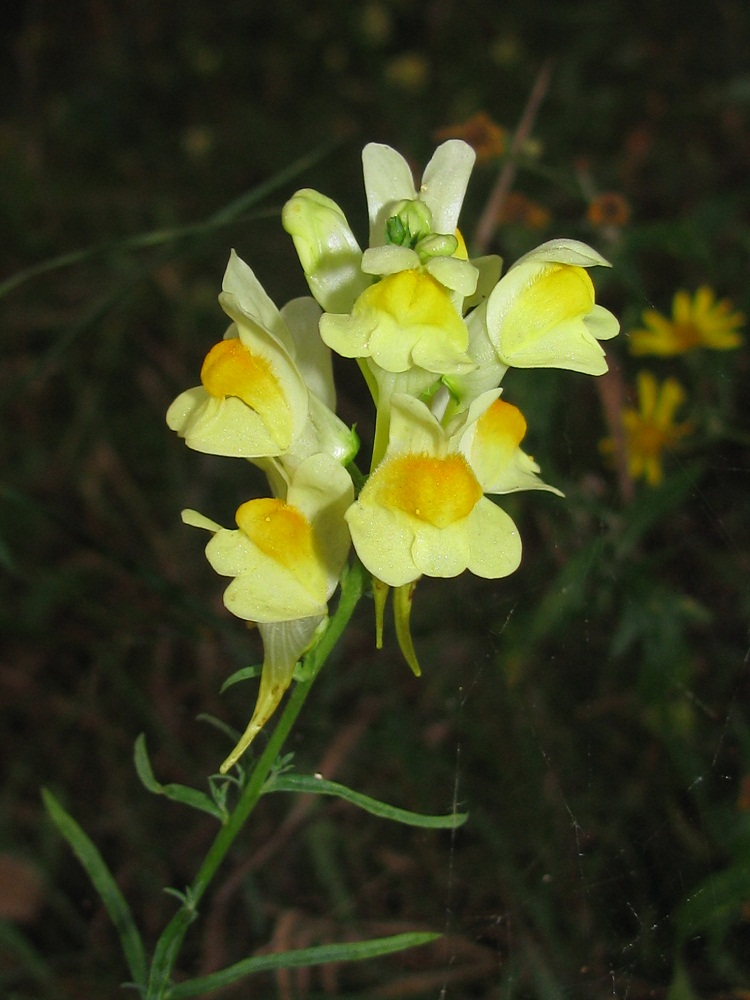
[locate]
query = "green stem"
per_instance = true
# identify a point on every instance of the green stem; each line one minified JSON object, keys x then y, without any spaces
{"x":168,"y":945}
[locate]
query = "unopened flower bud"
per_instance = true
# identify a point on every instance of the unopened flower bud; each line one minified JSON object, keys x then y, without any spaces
{"x":411,"y":222}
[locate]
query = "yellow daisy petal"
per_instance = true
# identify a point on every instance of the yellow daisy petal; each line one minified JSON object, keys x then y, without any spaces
{"x":697,"y":321}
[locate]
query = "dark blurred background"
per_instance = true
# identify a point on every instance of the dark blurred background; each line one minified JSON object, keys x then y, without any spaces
{"x":590,"y":712}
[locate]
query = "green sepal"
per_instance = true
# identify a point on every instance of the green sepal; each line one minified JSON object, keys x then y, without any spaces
{"x":402,"y":599}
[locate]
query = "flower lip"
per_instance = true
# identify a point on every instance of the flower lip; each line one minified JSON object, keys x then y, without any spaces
{"x":439,"y":491}
{"x":280,"y":531}
{"x":407,"y":319}
{"x":230,"y":369}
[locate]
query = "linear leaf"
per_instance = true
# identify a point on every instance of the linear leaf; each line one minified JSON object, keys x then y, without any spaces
{"x":14,"y":942}
{"x":319,"y":786}
{"x":354,"y":951}
{"x":243,"y":674}
{"x":177,"y":793}
{"x":104,"y":883}
{"x":223,"y":217}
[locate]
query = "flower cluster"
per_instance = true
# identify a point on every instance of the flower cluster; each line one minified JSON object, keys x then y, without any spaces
{"x":433,"y":332}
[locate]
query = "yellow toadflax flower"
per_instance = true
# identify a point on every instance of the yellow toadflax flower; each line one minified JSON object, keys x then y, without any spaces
{"x":405,"y":320}
{"x":285,"y":558}
{"x":542,"y":313}
{"x":651,"y":430}
{"x":423,"y":509}
{"x":423,"y":512}
{"x":252,"y":401}
{"x":699,"y":321}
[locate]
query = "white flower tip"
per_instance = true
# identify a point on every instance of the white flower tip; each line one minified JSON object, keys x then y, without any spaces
{"x":565,"y":251}
{"x":197,"y":520}
{"x":459,"y":149}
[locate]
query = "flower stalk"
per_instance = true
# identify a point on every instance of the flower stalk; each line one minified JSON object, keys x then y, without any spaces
{"x":167,"y":948}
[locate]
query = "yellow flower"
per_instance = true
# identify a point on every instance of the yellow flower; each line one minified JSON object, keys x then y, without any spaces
{"x":389,"y":186}
{"x":491,"y":440}
{"x":697,"y":322}
{"x":651,"y":430}
{"x":327,"y":248}
{"x":285,"y":558}
{"x":423,"y":509}
{"x":542,"y":313}
{"x":252,"y":401}
{"x":407,"y":319}
{"x":286,"y":554}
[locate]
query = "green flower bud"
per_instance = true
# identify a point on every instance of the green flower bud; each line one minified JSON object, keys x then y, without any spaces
{"x":436,"y":245}
{"x":411,"y":222}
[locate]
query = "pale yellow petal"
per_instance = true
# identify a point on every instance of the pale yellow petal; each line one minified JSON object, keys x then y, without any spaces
{"x":494,"y":541}
{"x":383,"y":539}
{"x":441,"y":553}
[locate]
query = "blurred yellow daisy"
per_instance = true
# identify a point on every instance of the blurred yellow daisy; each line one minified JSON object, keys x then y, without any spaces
{"x":650,"y":430}
{"x":699,"y":321}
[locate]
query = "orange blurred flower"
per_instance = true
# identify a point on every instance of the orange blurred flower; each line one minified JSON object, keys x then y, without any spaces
{"x":608,"y":209}
{"x":485,"y":136}
{"x":743,"y":798}
{"x":523,"y":211}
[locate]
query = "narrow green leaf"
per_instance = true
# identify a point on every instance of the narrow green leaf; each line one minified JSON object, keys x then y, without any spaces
{"x":354,"y":951}
{"x":243,"y":674}
{"x":177,"y":793}
{"x":14,"y":942}
{"x":715,"y":905}
{"x":166,"y":951}
{"x":230,"y":732}
{"x":319,"y":786}
{"x":680,"y":988}
{"x":105,"y":885}
{"x":225,"y":216}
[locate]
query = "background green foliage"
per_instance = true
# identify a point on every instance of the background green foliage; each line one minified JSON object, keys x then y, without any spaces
{"x":590,"y":712}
